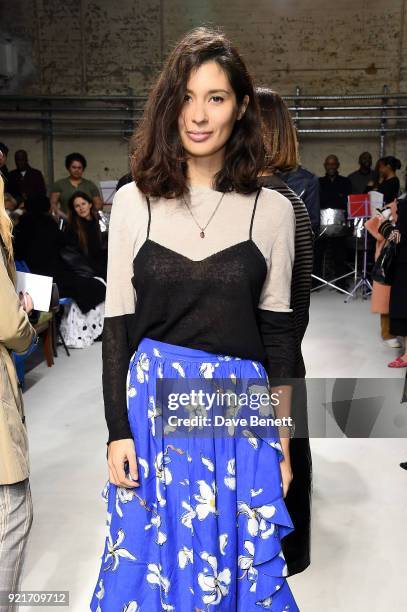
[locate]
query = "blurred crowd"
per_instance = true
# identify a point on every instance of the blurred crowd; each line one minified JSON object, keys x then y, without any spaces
{"x":63,"y":235}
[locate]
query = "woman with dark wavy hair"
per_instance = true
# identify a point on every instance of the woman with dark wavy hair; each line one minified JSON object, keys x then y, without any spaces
{"x":198,"y":302}
{"x":83,"y":231}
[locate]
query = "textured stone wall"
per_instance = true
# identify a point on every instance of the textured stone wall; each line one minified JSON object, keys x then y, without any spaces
{"x":92,"y":47}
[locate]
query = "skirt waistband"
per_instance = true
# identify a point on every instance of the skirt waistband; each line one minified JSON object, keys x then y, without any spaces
{"x":165,"y":349}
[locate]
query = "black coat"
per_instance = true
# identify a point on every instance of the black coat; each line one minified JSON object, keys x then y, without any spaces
{"x":38,"y":241}
{"x":398,"y":294}
{"x":96,"y":254}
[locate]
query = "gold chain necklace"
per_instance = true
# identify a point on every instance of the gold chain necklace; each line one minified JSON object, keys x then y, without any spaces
{"x":202,"y":233}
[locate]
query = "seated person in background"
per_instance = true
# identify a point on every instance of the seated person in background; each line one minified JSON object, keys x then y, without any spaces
{"x":127,"y":178}
{"x":63,"y":190}
{"x":25,"y":181}
{"x":83,"y":231}
{"x":44,"y":248}
{"x":334,"y":190}
{"x":361,"y":178}
{"x":13,"y":210}
{"x":37,"y":239}
{"x":3,"y":163}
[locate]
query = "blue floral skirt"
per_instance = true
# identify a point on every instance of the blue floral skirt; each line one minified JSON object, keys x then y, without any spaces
{"x":204,"y":528}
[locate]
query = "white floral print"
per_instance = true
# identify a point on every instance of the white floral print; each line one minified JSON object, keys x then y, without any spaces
{"x":223,"y":540}
{"x":245,"y":562}
{"x":215,"y":585}
{"x":206,"y":499}
{"x":206,"y":370}
{"x":163,"y":475}
{"x":188,"y":515}
{"x":115,"y":552}
{"x":257,"y":519}
{"x":155,"y":578}
{"x":155,"y":522}
{"x":185,"y":556}
{"x":123,"y":496}
{"x":208,"y":463}
{"x":100,"y":594}
{"x":230,"y":478}
{"x":152,"y":412}
{"x":172,"y":543}
{"x":178,"y":367}
{"x":132,"y":606}
{"x":142,"y":368}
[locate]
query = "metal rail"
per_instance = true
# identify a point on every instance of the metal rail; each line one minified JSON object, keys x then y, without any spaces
{"x":101,"y":115}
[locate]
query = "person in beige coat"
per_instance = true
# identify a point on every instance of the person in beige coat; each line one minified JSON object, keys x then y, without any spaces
{"x":16,"y":334}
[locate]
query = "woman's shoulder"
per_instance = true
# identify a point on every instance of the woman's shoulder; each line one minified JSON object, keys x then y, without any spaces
{"x":129,"y":203}
{"x":275,"y":207}
{"x":61,"y":182}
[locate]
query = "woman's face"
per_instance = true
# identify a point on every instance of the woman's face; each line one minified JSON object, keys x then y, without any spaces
{"x":76,"y":169}
{"x":383,"y":170}
{"x":82,"y":208}
{"x":209,"y":112}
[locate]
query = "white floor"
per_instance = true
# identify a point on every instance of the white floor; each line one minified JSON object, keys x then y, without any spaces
{"x":359,"y":560}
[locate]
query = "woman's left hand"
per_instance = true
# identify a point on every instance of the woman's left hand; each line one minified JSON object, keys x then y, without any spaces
{"x":26,"y":302}
{"x":286,"y":475}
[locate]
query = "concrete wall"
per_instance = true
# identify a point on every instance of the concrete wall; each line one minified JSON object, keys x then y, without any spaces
{"x":85,"y":47}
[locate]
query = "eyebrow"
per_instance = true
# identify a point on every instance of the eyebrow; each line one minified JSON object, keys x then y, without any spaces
{"x":212,"y":91}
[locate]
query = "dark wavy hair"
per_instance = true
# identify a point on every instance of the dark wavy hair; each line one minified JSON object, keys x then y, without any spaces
{"x":75,"y":157}
{"x":77,"y":223}
{"x":159,"y":161}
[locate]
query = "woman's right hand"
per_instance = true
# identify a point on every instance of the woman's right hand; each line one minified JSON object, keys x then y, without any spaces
{"x":120,"y":452}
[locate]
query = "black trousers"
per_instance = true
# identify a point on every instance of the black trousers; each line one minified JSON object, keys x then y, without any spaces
{"x":297,"y":544}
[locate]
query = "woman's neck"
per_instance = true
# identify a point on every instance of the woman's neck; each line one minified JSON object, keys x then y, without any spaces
{"x":201,"y":170}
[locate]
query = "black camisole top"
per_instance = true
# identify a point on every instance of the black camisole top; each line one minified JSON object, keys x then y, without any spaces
{"x":209,"y":304}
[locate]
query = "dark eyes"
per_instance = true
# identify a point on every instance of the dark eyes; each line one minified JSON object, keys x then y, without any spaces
{"x":216,"y":99}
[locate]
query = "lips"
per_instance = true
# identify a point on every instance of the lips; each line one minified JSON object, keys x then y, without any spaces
{"x":198,"y":136}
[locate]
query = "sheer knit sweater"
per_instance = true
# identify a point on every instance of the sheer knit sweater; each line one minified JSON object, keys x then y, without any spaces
{"x":228,"y":293}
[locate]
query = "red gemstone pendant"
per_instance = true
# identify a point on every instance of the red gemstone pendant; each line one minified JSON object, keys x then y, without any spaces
{"x":202,"y":234}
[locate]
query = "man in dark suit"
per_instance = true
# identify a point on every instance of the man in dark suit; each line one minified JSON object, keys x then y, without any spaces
{"x":25,"y":181}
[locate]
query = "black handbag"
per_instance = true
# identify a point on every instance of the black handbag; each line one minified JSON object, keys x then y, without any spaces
{"x":383,"y":269}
